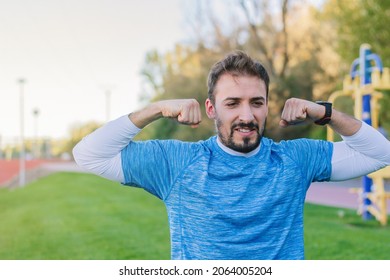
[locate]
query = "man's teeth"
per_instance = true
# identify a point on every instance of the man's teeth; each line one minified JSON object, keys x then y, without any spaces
{"x":244,"y":130}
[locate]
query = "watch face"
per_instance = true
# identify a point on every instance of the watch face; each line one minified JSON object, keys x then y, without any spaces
{"x":323,"y":103}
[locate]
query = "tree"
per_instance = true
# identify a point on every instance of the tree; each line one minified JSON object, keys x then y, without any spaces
{"x":358,"y":22}
{"x":181,"y":73}
{"x":284,"y":37}
{"x":77,"y":132}
{"x":299,"y":58}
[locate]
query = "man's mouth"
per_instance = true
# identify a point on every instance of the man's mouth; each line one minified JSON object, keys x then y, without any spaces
{"x":247,"y":129}
{"x":244,"y":130}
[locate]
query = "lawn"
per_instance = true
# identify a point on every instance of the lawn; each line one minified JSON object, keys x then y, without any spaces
{"x":335,"y":233}
{"x":80,"y":216}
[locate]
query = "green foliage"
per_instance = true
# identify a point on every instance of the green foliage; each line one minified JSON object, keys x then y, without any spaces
{"x":181,"y":73}
{"x":298,"y":82}
{"x":77,"y":132}
{"x":291,"y":55}
{"x":384,"y":112}
{"x":358,"y":22}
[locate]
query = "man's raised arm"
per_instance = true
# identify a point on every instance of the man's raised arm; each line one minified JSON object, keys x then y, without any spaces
{"x":100,"y":151}
{"x":363,"y":149}
{"x":185,"y":111}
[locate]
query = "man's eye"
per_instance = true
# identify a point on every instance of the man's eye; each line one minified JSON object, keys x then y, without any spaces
{"x":258,"y":104}
{"x":231,"y":104}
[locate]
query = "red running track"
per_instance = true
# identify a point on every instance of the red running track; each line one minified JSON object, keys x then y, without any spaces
{"x":9,"y":169}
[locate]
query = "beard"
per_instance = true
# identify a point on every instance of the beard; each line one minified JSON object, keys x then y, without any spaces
{"x":248,"y":144}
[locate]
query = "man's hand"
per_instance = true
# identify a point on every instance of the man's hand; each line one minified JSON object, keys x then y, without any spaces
{"x":297,"y":111}
{"x":185,"y":111}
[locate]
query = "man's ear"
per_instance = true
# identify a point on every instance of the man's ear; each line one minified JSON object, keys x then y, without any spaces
{"x":210,"y":109}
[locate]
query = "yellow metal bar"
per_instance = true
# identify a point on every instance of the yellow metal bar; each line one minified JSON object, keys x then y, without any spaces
{"x":376,"y":214}
{"x":381,"y":173}
{"x":358,"y":95}
{"x":375,"y":96}
{"x":376,"y":78}
{"x":353,"y":88}
{"x":380,"y":196}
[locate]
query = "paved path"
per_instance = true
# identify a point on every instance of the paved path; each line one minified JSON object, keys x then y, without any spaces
{"x":336,"y":194}
{"x":9,"y":170}
{"x":69,"y":166}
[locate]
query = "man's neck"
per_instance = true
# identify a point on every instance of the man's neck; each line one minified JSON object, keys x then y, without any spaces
{"x":235,"y":153}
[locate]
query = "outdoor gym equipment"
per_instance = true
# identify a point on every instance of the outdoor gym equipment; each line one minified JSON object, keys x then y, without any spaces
{"x":364,"y":84}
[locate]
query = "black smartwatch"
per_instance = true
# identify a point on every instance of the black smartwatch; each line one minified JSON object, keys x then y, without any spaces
{"x":328,"y":113}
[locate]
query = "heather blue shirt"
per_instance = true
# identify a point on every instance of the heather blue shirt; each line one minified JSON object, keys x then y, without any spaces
{"x":222,"y":206}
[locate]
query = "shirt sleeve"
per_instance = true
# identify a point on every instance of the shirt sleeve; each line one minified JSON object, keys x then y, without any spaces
{"x":312,"y":157}
{"x":100,"y":151}
{"x":154,"y":165}
{"x":360,"y":154}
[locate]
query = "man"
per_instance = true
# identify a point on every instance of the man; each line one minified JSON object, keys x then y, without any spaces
{"x":237,"y":195}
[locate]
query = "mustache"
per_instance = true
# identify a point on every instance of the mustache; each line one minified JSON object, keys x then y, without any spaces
{"x":250,"y":125}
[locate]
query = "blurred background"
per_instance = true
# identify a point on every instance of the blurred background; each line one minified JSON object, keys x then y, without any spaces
{"x":66,"y":67}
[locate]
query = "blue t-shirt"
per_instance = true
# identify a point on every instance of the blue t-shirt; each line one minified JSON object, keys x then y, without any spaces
{"x":222,"y":206}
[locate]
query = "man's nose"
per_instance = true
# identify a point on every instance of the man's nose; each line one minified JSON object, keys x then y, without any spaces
{"x":246,"y":114}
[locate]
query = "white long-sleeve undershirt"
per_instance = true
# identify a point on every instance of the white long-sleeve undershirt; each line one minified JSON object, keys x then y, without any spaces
{"x":100,"y":152}
{"x":360,"y":154}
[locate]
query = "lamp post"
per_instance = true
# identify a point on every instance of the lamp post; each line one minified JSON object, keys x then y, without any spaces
{"x":36,"y":145}
{"x":108,"y":104}
{"x":22,"y":155}
{"x":107,"y":89}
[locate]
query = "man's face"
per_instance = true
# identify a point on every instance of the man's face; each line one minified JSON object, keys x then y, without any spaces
{"x":240,"y":111}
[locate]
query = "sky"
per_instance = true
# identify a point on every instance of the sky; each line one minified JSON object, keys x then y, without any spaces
{"x":71,"y":52}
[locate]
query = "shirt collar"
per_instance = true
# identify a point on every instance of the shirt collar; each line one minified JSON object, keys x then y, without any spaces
{"x":235,"y":153}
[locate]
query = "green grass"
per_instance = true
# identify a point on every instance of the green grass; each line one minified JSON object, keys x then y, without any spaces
{"x":340,"y":234}
{"x":80,"y":216}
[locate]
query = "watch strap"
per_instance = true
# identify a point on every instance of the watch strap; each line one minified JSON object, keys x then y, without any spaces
{"x":328,"y":113}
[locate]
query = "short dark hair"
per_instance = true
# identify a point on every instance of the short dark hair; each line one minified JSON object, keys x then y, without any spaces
{"x":236,"y":63}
